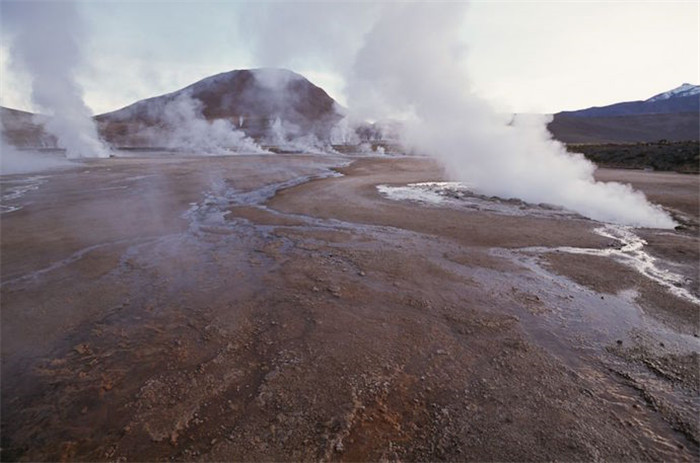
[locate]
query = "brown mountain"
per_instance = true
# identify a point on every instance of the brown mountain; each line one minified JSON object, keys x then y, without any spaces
{"x":251,"y":100}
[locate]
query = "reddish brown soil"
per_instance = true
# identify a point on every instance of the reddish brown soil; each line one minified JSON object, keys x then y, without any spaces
{"x":328,"y":323}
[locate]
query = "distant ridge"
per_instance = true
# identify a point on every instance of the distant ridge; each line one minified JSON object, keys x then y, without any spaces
{"x":255,"y":101}
{"x":673,"y":115}
{"x":685,"y":89}
{"x":683,"y":99}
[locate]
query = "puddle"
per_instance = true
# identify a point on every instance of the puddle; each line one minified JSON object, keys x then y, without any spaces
{"x":631,"y":253}
{"x":209,"y":215}
{"x":577,"y":312}
{"x":14,"y":189}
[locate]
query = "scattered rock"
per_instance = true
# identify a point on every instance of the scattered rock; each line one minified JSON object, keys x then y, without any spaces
{"x":334,"y":290}
{"x":83,"y":349}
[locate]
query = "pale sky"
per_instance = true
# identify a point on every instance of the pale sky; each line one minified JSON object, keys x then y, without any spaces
{"x":525,"y":56}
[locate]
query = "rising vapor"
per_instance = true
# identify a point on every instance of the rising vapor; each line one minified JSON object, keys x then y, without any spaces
{"x":185,"y":128}
{"x":411,"y":65}
{"x":46,"y":40}
{"x":12,"y":161}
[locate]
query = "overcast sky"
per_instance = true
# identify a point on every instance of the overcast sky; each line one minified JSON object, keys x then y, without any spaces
{"x":525,"y":56}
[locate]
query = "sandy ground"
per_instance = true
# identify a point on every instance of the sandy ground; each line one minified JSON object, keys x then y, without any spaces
{"x":265,"y":308}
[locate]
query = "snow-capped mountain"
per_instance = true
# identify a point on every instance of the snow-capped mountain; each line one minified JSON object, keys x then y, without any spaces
{"x":671,"y":115}
{"x":684,"y":90}
{"x":683,"y":99}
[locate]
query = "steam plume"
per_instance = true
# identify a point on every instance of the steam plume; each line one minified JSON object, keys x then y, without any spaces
{"x":186,"y":129}
{"x":14,"y":162}
{"x":46,"y":41}
{"x":419,"y":75}
{"x":282,"y":133}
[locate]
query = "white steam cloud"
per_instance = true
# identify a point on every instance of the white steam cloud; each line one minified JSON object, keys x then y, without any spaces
{"x":284,"y":134}
{"x":399,"y":60}
{"x":287,"y":136}
{"x":13,"y":161}
{"x":412,"y":65}
{"x":46,"y":41}
{"x":185,"y":128}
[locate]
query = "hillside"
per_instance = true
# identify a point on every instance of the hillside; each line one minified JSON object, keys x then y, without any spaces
{"x":672,"y":105}
{"x":24,"y":129}
{"x":673,"y":115}
{"x":680,"y":156}
{"x":626,"y":129}
{"x":259,"y":102}
{"x":277,"y":107}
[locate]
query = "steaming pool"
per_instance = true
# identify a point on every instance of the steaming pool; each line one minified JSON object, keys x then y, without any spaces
{"x":463,"y":196}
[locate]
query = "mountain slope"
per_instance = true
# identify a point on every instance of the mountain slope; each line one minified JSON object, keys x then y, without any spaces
{"x":683,"y":99}
{"x":684,"y":90}
{"x":24,"y":129}
{"x":251,"y":100}
{"x":634,"y":108}
{"x":626,"y":129}
{"x":673,"y":115}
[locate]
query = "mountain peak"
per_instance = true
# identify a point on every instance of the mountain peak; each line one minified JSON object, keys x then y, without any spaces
{"x":253,"y":100}
{"x":683,"y":90}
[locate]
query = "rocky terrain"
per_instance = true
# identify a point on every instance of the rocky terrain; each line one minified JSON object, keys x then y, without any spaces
{"x":163,"y":307}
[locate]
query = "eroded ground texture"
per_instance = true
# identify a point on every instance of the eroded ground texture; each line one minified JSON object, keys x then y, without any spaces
{"x":268,"y":308}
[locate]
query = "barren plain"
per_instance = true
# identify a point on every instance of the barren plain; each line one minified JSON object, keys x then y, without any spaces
{"x":284,"y":308}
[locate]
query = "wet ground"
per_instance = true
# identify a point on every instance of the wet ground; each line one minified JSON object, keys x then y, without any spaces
{"x":268,"y":308}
